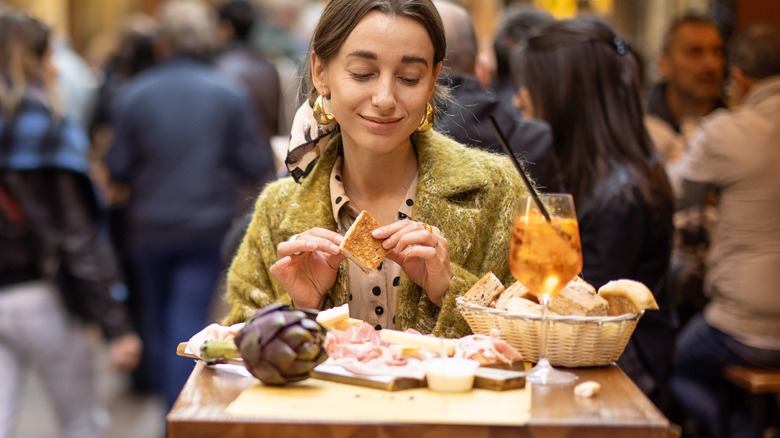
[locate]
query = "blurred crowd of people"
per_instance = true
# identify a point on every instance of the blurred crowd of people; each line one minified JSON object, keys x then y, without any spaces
{"x":126,"y":188}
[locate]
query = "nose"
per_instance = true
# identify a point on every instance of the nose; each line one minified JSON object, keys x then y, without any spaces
{"x":714,"y":60}
{"x":384,"y":95}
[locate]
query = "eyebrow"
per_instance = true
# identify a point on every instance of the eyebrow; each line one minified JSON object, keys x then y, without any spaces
{"x":406,"y":59}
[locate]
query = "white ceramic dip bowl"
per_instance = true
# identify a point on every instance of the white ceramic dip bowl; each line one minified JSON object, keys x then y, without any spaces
{"x":450,"y":374}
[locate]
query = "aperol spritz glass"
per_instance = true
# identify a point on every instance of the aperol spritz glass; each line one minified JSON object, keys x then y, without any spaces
{"x":545,"y":254}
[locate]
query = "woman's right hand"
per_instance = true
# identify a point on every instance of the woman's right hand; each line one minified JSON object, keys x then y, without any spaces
{"x":307,"y":266}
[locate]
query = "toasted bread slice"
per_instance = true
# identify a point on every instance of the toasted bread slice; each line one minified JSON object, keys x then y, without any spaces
{"x":485,"y":290}
{"x":360,"y":246}
{"x":579,"y":298}
{"x":627,"y":296}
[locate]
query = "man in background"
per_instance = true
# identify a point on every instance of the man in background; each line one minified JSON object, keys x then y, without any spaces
{"x":736,"y":152}
{"x":692,"y":65}
{"x":467,"y":119}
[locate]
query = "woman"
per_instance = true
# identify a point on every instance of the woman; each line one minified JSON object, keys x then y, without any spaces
{"x":372,"y":80}
{"x":49,"y":230}
{"x":581,"y":77}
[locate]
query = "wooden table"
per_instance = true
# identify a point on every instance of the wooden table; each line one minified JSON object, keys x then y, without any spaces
{"x":620,"y":409}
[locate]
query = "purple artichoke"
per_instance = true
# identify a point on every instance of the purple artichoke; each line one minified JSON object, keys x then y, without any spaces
{"x":281,"y":345}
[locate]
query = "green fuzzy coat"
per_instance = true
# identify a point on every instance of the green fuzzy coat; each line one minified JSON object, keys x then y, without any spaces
{"x":471,"y":195}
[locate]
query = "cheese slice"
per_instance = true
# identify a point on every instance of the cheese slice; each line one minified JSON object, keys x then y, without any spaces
{"x":407,"y":339}
{"x":330,"y":317}
{"x":405,"y":350}
{"x":345,"y":324}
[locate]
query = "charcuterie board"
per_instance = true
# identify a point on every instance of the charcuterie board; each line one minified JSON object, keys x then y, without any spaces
{"x":495,"y":379}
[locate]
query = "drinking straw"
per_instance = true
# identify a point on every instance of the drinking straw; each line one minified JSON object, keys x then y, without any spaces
{"x":529,"y":186}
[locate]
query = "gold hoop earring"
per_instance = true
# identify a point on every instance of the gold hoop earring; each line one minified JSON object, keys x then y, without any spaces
{"x":427,"y":121}
{"x":321,"y":115}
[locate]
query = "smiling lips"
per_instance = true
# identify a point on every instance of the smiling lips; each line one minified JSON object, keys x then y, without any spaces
{"x":381,"y":124}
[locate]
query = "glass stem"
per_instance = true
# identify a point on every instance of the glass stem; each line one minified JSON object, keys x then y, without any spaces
{"x":543,"y":333}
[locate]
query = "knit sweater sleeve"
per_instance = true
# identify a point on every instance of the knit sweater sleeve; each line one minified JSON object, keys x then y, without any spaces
{"x":249,"y":284}
{"x":495,"y":223}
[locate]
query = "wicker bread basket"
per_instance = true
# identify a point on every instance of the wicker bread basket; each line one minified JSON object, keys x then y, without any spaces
{"x":572,"y":341}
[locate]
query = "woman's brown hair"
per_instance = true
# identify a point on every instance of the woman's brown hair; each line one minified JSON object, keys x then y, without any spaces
{"x":340,"y":17}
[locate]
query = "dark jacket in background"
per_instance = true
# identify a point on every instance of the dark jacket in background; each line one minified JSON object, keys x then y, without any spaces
{"x":658,"y":106}
{"x":261,"y":81}
{"x":624,"y":237}
{"x":184,"y":141}
{"x":467,"y":121}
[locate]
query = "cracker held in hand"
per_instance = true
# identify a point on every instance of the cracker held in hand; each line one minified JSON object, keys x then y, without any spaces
{"x":360,"y":246}
{"x":627,"y":296}
{"x":485,"y":290}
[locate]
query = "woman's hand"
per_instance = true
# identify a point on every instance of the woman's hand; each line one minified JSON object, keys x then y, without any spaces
{"x":422,"y":251}
{"x":307,"y":266}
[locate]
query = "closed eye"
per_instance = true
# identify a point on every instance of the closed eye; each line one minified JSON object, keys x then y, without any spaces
{"x":360,"y":76}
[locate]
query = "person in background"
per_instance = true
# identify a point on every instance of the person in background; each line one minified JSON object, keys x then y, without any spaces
{"x":692,"y":66}
{"x":56,"y":267}
{"x":736,"y":153}
{"x":77,"y":82}
{"x":184,"y":141}
{"x":238,"y":60}
{"x":621,"y":192}
{"x":363,"y":141}
{"x":517,"y":22}
{"x":134,"y":53}
{"x":466,"y":119}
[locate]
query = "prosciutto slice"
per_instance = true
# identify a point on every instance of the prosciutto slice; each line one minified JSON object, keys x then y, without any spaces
{"x":487,"y":349}
{"x":360,"y":350}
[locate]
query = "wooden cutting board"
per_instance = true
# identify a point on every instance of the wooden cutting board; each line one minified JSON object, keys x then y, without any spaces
{"x":316,"y":401}
{"x":496,"y":379}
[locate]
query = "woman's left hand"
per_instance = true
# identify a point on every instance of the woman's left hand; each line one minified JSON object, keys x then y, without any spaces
{"x":422,"y":251}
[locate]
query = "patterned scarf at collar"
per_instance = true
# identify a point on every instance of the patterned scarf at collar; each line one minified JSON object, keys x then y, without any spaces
{"x":307,"y":140}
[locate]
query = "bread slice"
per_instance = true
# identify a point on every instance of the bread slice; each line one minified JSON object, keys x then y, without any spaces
{"x":360,"y":246}
{"x":485,"y":290}
{"x":516,"y":290}
{"x":579,"y":298}
{"x":627,"y":296}
{"x":523,"y":306}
